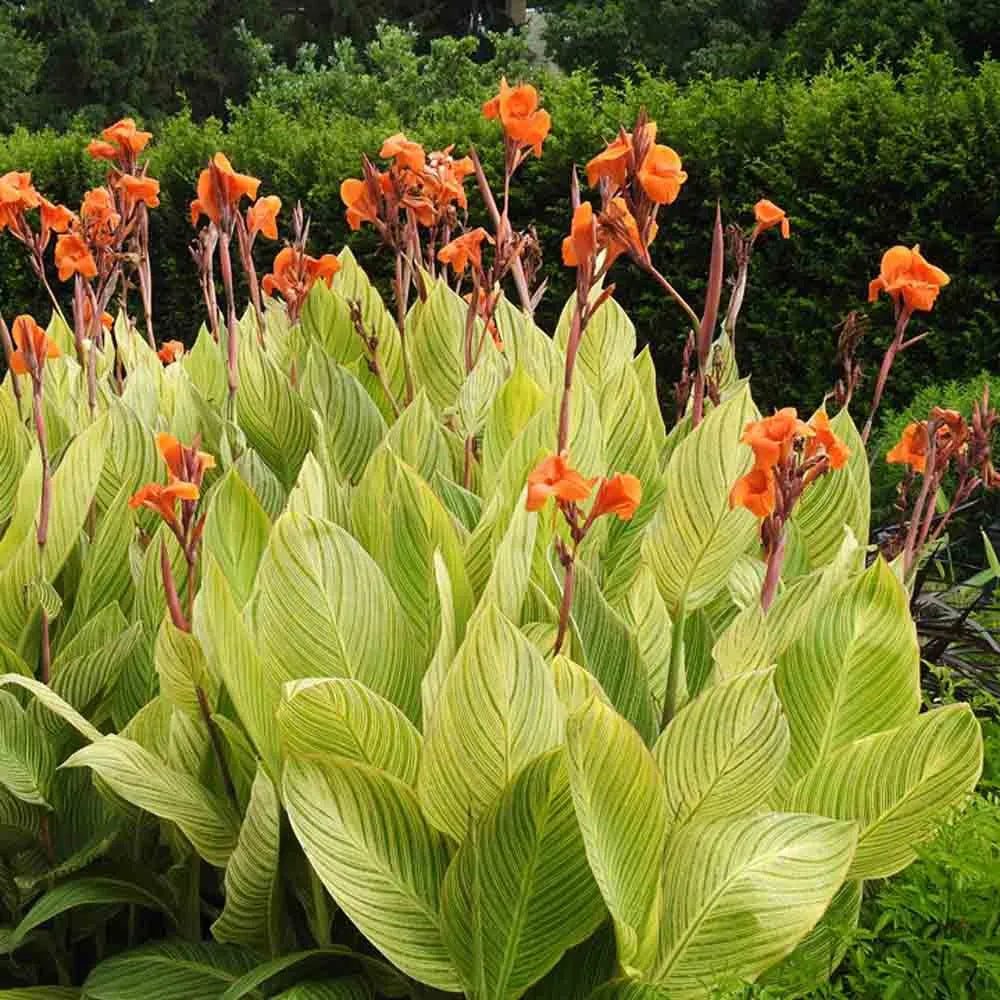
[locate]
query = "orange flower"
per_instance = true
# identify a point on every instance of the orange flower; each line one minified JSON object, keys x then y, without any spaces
{"x":773,"y":438}
{"x":101,"y":150}
{"x":518,"y":111}
{"x":769,"y":215}
{"x":618,"y":495}
{"x":98,"y":209}
{"x":163,"y":499}
{"x":107,"y":320}
{"x":826,"y":441}
{"x":30,"y":338}
{"x":125,"y":135}
{"x":612,"y":163}
{"x":17,"y":193}
{"x":554,"y":476}
{"x":55,"y":218}
{"x":462,"y":249}
{"x":74,"y":257}
{"x":449,"y":176}
{"x":661,"y":175}
{"x":953,"y":430}
{"x":755,"y":491}
{"x":422,"y":208}
{"x":581,"y":244}
{"x":911,"y":449}
{"x":171,"y":351}
{"x":906,"y":273}
{"x":618,"y":231}
{"x":144,"y":189}
{"x":231,"y":186}
{"x":408,"y":155}
{"x":294,"y":274}
{"x":185,"y":464}
{"x":361,"y":207}
{"x":262,"y":216}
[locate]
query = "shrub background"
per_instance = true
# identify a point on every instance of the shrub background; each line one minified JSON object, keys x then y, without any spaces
{"x":860,"y":157}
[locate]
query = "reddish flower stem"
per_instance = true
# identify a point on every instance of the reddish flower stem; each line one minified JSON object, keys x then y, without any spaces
{"x":232,"y":339}
{"x":145,"y":272}
{"x":920,"y":508}
{"x":572,"y":347}
{"x":8,"y":350}
{"x":893,"y":349}
{"x":569,"y":564}
{"x":775,"y":559}
{"x":170,"y":590}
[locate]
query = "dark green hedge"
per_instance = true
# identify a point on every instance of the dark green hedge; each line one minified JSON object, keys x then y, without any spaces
{"x":860,"y":158}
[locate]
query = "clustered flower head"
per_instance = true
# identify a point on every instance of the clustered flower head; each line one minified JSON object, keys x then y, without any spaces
{"x":186,"y":467}
{"x":908,"y":279}
{"x":417,"y":188}
{"x":220,"y":191}
{"x":294,"y":273}
{"x":789,"y":454}
{"x":525,"y":125}
{"x":555,"y":477}
{"x":32,"y":347}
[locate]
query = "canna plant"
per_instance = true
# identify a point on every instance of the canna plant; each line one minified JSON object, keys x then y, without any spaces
{"x":395,"y":648}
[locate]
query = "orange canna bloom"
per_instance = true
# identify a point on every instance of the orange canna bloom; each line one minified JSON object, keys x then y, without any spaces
{"x":620,"y":495}
{"x":773,"y":438}
{"x":55,"y":218}
{"x":163,"y":499}
{"x":755,"y":491}
{"x":170,"y":351}
{"x":144,"y":189}
{"x":661,"y":175}
{"x":107,"y":320}
{"x":98,"y":209}
{"x":74,"y":257}
{"x":612,"y":163}
{"x":465,"y":248}
{"x":125,"y":135}
{"x":101,"y":150}
{"x":407,"y":154}
{"x":17,"y":193}
{"x":953,"y":430}
{"x":825,"y":440}
{"x":518,"y":111}
{"x":294,"y":274}
{"x":262,"y":216}
{"x":618,"y":231}
{"x":223,"y":191}
{"x":186,"y":464}
{"x":911,"y":449}
{"x":361,"y":207}
{"x":555,"y":477}
{"x":768,"y":215}
{"x":30,"y":340}
{"x":581,"y":244}
{"x":905,"y":273}
{"x":422,"y":208}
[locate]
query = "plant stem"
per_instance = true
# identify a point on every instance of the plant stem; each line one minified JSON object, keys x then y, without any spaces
{"x":775,"y":559}
{"x":8,"y":350}
{"x":232,"y":342}
{"x":400,"y":290}
{"x":676,"y":296}
{"x":572,"y":347}
{"x":170,"y":590}
{"x":883,"y":373}
{"x":910,"y":548}
{"x":567,"y":601}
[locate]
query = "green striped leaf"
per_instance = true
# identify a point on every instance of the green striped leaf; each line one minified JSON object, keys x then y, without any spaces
{"x":575,"y":685}
{"x":518,"y":400}
{"x":26,"y":757}
{"x":14,"y":449}
{"x":352,"y":424}
{"x":50,"y":700}
{"x":271,"y":413}
{"x":183,"y":670}
{"x":206,"y":368}
{"x":252,"y":914}
{"x":629,"y":442}
{"x":899,"y":785}
{"x":418,"y":440}
{"x":436,"y":340}
{"x":745,"y":645}
{"x":611,"y":653}
{"x":324,"y":717}
{"x":141,"y":778}
{"x":347,"y":988}
{"x":132,"y":458}
{"x":740,"y":893}
{"x":645,"y":370}
{"x":630,"y":989}
{"x":497,"y":709}
{"x":608,"y":343}
{"x":323,"y":608}
{"x":526,"y":345}
{"x":364,"y":834}
{"x":621,"y":806}
{"x":855,"y":670}
{"x":236,"y":532}
{"x":447,"y":643}
{"x":519,"y":891}
{"x":266,"y":487}
{"x":841,"y":497}
{"x":819,"y":953}
{"x":91,"y":891}
{"x":721,"y":753}
{"x":168,"y":970}
{"x":695,"y":538}
{"x":251,"y":680}
{"x":27,"y":495}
